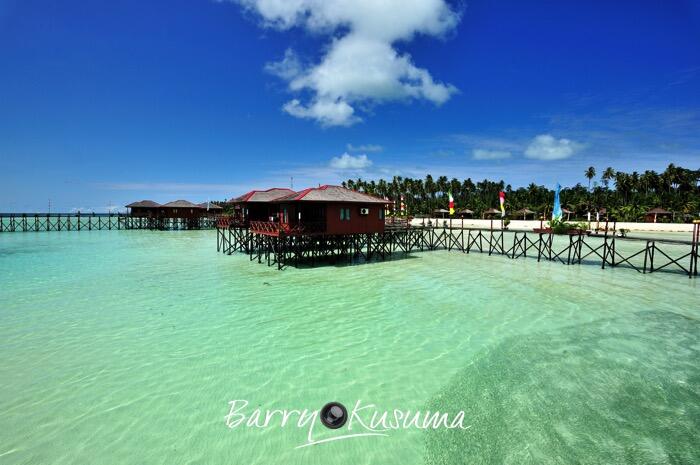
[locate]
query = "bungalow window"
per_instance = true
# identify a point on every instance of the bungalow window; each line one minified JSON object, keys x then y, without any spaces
{"x":381,"y":213}
{"x":344,"y":214}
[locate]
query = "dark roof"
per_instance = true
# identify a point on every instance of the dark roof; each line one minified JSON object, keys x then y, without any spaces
{"x":658,"y":211}
{"x":492,"y":210}
{"x":263,"y":196}
{"x":465,"y":211}
{"x":212,"y":206}
{"x":440,"y":210}
{"x":143,"y":204}
{"x":331,"y":194}
{"x":525,"y":211}
{"x":180,"y":204}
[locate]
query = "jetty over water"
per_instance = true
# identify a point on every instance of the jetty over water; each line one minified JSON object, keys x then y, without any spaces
{"x":144,"y":214}
{"x":279,"y":245}
{"x":27,"y":222}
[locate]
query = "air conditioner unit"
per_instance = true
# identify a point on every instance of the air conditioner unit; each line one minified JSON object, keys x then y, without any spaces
{"x":364,"y":211}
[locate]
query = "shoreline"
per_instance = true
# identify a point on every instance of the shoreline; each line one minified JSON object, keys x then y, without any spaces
{"x":528,"y":225}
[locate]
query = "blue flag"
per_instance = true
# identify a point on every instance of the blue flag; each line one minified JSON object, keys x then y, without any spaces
{"x":556,"y":212}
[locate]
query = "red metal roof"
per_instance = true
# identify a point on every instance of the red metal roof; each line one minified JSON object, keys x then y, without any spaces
{"x":328,"y":193}
{"x":262,"y":195}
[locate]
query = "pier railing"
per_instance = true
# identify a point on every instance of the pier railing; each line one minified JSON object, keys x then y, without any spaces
{"x":26,"y":222}
{"x":607,"y":250}
{"x":276,"y":229}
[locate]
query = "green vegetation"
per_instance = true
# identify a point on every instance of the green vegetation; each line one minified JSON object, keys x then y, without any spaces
{"x":562,"y":227}
{"x":627,"y":196}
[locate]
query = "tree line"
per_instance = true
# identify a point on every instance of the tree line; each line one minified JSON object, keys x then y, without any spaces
{"x":625,"y":196}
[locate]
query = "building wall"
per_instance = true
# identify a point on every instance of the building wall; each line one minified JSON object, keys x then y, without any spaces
{"x":370,"y":223}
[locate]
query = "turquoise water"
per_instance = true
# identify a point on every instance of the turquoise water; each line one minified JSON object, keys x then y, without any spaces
{"x":125,"y":347}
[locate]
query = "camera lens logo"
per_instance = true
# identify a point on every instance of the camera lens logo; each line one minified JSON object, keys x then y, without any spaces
{"x":333,"y":415}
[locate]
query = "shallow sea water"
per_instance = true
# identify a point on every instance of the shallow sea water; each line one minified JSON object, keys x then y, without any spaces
{"x":125,"y":347}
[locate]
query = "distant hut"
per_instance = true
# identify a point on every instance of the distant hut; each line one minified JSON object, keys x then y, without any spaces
{"x":490,"y":213}
{"x":143,"y":209}
{"x":440,"y":212}
{"x":180,"y":209}
{"x":567,"y":212}
{"x":525,"y":212}
{"x":652,"y":215}
{"x":211,"y":209}
{"x":466,"y":213}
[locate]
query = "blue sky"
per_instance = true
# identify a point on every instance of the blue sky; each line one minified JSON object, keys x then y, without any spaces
{"x":103,"y":103}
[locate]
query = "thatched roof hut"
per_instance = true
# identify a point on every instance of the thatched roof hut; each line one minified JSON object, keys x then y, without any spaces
{"x":465,"y":212}
{"x":440,"y":211}
{"x":490,"y":212}
{"x":652,"y":215}
{"x":524,"y":212}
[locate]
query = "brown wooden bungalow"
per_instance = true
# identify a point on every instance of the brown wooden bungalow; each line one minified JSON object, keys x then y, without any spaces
{"x":180,"y":209}
{"x":175,"y":209}
{"x":144,"y":208}
{"x":330,"y":210}
{"x":211,"y":209}
{"x":256,"y":205}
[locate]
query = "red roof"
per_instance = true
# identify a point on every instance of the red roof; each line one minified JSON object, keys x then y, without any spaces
{"x":329,"y":193}
{"x":262,"y":195}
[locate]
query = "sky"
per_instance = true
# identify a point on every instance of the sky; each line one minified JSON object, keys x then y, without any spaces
{"x":103,"y":103}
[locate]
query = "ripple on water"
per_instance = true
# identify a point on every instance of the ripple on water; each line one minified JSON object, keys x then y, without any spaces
{"x":593,"y":393}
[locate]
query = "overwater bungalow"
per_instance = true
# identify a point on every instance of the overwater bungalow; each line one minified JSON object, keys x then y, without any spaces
{"x":143,"y":209}
{"x":317,"y":210}
{"x":180,"y":209}
{"x":329,"y":210}
{"x":256,"y":205}
{"x":211,"y":209}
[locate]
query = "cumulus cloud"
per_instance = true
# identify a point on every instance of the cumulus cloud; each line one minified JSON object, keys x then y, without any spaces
{"x":481,"y":154}
{"x":361,"y":65}
{"x":287,"y":68}
{"x":350,"y":162}
{"x":365,"y":148}
{"x":546,"y":147}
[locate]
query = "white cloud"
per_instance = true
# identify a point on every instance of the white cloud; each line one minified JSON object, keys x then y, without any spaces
{"x":546,"y":147}
{"x":481,"y":154}
{"x":288,"y":68}
{"x":350,"y":162}
{"x":365,"y":148}
{"x":361,"y":66}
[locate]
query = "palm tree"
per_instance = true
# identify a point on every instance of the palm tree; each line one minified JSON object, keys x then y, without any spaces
{"x":608,"y":175}
{"x":590,"y":174}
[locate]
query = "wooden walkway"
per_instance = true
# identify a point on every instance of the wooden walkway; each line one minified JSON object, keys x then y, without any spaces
{"x":650,"y":255}
{"x":26,"y":222}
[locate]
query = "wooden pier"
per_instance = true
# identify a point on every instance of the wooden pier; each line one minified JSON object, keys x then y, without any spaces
{"x":26,"y":222}
{"x":277,"y":247}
